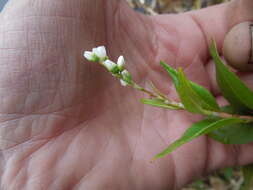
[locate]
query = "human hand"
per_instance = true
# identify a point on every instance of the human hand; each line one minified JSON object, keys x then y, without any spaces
{"x":66,"y":124}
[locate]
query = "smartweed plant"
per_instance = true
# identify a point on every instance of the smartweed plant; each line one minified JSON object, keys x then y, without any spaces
{"x":231,"y":124}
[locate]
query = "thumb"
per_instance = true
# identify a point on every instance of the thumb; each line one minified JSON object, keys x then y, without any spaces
{"x":216,"y":21}
{"x":240,"y":11}
{"x":238,"y":42}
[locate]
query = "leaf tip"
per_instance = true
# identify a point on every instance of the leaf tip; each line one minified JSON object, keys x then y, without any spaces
{"x":142,"y":100}
{"x":153,"y":159}
{"x":213,"y":48}
{"x":163,"y":64}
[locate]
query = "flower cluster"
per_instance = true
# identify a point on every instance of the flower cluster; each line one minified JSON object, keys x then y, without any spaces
{"x":117,"y":69}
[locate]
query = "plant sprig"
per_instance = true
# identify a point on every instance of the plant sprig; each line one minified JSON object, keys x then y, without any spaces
{"x":232,"y":124}
{"x":220,"y":123}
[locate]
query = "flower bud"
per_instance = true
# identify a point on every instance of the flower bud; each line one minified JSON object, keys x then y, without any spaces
{"x":111,"y":66}
{"x":90,"y":56}
{"x":121,"y":63}
{"x":100,"y":52}
{"x":123,"y":83}
{"x":126,"y":76}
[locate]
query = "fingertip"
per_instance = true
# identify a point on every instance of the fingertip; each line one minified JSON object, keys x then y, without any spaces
{"x":237,"y":46}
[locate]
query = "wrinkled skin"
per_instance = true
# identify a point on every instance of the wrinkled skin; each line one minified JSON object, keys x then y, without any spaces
{"x":67,"y":124}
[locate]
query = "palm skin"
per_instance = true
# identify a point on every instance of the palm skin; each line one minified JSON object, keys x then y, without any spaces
{"x":67,"y":124}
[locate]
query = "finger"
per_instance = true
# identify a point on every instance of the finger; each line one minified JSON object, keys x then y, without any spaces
{"x":237,"y":46}
{"x":216,"y":21}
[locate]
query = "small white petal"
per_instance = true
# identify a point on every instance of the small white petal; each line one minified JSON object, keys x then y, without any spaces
{"x":95,"y":51}
{"x":109,"y":65}
{"x":101,"y":51}
{"x":125,"y":73}
{"x":121,"y":62}
{"x":123,"y":83}
{"x":88,"y":55}
{"x":126,"y":76}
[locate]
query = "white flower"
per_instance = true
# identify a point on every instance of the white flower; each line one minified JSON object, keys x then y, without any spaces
{"x":121,"y":62}
{"x":125,"y":73}
{"x":90,"y":56}
{"x":110,"y":65}
{"x":100,"y":52}
{"x":123,"y":83}
{"x":126,"y":76}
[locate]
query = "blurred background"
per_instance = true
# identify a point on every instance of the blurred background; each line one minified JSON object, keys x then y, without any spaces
{"x":2,"y":3}
{"x":170,"y":6}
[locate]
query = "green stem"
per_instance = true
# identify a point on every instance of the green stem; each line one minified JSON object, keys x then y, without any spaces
{"x":181,"y":106}
{"x":137,"y":87}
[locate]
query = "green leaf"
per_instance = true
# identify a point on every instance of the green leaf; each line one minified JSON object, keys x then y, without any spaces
{"x":158,"y":103}
{"x":206,"y":97}
{"x":190,"y":99}
{"x":172,"y":73}
{"x":207,"y":100}
{"x":197,"y":129}
{"x":248,"y":177}
{"x":230,"y":109}
{"x":232,"y":88}
{"x":239,"y":133}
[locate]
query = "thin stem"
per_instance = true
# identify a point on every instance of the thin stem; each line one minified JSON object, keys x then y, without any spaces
{"x":137,"y":87}
{"x":181,"y":106}
{"x":158,"y":96}
{"x":152,"y":86}
{"x":227,"y":115}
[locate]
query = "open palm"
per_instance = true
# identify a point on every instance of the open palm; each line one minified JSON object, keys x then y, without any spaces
{"x":67,"y":124}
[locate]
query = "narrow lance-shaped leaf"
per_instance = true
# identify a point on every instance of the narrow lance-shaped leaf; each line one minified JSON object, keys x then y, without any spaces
{"x":239,"y":133}
{"x":232,"y":88}
{"x":197,"y":129}
{"x":172,"y":73}
{"x":159,"y":103}
{"x":206,"y":97}
{"x":189,"y":98}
